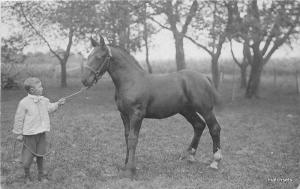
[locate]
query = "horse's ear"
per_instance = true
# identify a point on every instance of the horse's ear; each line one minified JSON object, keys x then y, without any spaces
{"x":94,"y":43}
{"x":102,"y":42}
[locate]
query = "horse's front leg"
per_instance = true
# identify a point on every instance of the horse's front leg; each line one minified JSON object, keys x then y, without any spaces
{"x":134,"y":129}
{"x":126,"y":124}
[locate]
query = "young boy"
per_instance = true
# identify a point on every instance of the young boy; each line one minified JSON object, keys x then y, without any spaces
{"x":31,"y":123}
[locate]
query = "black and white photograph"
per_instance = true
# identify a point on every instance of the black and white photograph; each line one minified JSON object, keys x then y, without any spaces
{"x":150,"y":94}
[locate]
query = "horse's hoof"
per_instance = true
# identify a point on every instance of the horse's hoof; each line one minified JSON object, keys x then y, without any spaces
{"x":191,"y":159}
{"x":218,"y":155}
{"x":127,"y":173}
{"x":183,"y":156}
{"x":189,"y":155}
{"x":214,"y":165}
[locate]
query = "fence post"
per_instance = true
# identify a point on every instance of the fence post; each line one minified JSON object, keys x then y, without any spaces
{"x":234,"y":83}
{"x":81,"y":62}
{"x":297,"y":82}
{"x":275,"y":76}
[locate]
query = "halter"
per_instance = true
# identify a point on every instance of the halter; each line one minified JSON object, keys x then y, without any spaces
{"x":99,"y":73}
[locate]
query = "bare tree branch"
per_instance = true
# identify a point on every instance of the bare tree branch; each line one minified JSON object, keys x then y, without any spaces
{"x":158,"y":9}
{"x":190,"y":15}
{"x":158,"y":23}
{"x":233,"y":55}
{"x":282,"y":40}
{"x":199,"y":45}
{"x":38,"y":33}
{"x":221,"y":41}
{"x":67,"y":52}
{"x":269,"y":39}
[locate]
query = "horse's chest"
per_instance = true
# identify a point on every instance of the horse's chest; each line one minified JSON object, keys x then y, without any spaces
{"x":124,"y":103}
{"x":119,"y":102}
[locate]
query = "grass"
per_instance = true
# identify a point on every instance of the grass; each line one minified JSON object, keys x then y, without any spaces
{"x":49,"y":67}
{"x":260,"y":141}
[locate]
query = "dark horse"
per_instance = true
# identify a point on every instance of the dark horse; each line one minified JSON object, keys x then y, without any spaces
{"x":140,"y":95}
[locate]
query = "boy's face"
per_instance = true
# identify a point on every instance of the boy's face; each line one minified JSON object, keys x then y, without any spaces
{"x":37,"y":89}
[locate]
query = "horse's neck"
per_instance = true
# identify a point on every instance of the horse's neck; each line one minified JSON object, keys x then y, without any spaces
{"x":122,"y":71}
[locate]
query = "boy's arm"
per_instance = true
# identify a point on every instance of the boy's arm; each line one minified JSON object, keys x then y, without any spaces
{"x":19,"y":119}
{"x":54,"y":106}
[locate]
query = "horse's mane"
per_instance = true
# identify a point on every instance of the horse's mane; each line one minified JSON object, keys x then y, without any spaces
{"x":132,"y":59}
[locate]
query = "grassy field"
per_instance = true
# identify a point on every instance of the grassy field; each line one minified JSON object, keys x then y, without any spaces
{"x":260,"y":141}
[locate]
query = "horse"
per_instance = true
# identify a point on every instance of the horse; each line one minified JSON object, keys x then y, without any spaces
{"x":140,"y":95}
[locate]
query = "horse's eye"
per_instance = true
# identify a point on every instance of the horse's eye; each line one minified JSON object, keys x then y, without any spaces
{"x":98,"y":56}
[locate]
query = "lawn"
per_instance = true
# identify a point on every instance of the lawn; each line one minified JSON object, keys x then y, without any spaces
{"x":260,"y":141}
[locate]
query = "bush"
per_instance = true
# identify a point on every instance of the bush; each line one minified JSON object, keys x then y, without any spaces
{"x":8,"y":82}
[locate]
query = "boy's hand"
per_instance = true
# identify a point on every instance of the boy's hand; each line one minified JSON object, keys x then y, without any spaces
{"x":20,"y":138}
{"x":61,"y":101}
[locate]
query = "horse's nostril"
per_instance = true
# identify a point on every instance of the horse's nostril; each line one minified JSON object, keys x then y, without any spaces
{"x":84,"y":82}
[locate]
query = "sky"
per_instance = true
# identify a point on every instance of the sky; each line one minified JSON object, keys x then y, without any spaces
{"x":162,"y":47}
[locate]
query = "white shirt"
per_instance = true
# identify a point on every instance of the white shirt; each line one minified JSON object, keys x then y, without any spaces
{"x":32,"y":115}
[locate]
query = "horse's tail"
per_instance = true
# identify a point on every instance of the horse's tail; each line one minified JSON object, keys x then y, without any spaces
{"x":216,"y":95}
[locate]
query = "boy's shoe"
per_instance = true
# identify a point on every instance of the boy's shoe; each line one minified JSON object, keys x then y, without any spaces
{"x":42,"y":178}
{"x":28,"y":180}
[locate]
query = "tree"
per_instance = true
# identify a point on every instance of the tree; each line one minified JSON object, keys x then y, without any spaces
{"x":120,"y":23}
{"x":64,"y":19}
{"x":146,"y":33}
{"x":141,"y":12}
{"x":125,"y":25}
{"x":243,"y":65}
{"x":12,"y":49}
{"x":208,"y":21}
{"x":211,"y":22}
{"x":264,"y":28}
{"x":11,"y":54}
{"x":75,"y":19}
{"x":177,"y":13}
{"x":234,"y":20}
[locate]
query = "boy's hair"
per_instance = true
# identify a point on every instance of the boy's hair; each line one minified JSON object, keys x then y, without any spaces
{"x":30,"y":83}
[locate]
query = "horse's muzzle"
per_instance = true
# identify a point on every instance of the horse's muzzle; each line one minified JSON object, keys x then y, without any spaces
{"x":86,"y":83}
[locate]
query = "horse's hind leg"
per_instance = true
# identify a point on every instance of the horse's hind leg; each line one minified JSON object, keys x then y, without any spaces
{"x":214,"y":130}
{"x":198,"y":125}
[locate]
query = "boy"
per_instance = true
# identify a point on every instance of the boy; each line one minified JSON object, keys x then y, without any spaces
{"x":31,"y":123}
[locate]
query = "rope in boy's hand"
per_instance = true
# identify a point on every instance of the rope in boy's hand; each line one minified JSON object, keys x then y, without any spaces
{"x":36,"y":154}
{"x":81,"y":90}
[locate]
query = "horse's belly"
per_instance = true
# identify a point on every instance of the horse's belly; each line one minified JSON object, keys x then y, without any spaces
{"x":158,"y":113}
{"x":165,"y":107}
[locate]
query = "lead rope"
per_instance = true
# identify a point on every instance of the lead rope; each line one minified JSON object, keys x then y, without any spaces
{"x":73,"y":94}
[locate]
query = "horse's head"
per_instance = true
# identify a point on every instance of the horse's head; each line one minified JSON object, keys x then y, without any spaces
{"x":97,"y":63}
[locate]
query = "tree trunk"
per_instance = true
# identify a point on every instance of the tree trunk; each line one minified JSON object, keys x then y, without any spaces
{"x":215,"y":71}
{"x":254,"y":78}
{"x":297,"y":82}
{"x":180,"y":60}
{"x":128,"y":37}
{"x":63,"y":62}
{"x":63,"y":65}
{"x":124,"y":24}
{"x":145,"y":36}
{"x":243,"y":68}
{"x":147,"y":58}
